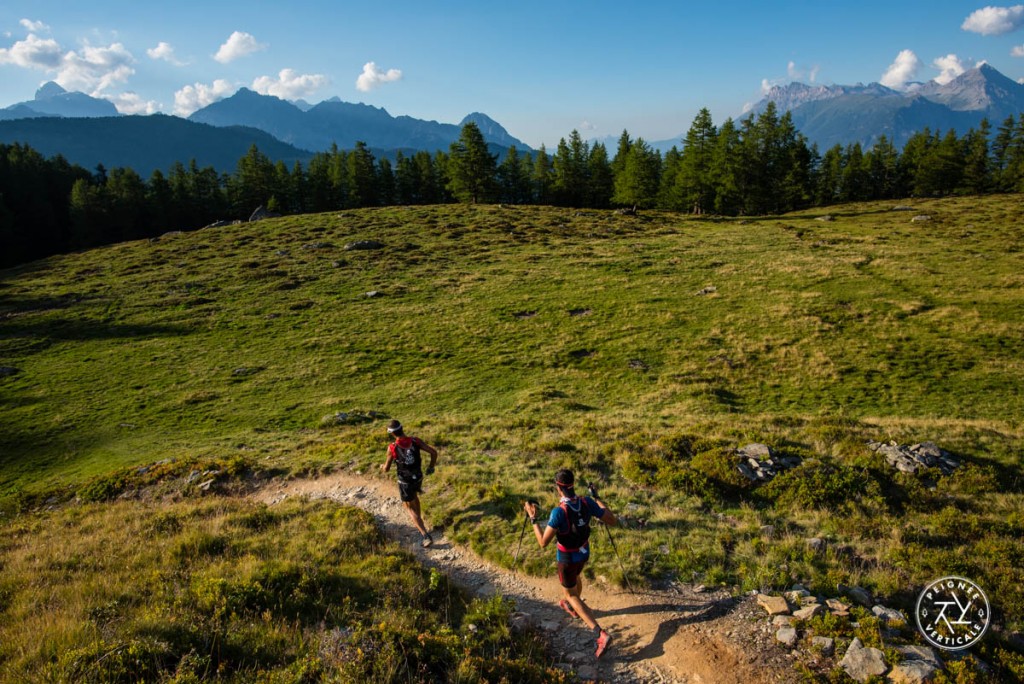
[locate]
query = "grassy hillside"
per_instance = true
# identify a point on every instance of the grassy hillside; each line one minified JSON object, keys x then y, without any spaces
{"x":639,"y":350}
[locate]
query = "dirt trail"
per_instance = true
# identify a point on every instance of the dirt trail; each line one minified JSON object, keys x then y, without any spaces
{"x":669,"y":636}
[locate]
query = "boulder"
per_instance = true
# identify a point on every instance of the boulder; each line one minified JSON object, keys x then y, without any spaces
{"x":775,"y":605}
{"x":808,"y":612}
{"x":913,"y":672}
{"x":827,"y":645}
{"x":911,"y":458}
{"x":888,"y":614}
{"x":862,"y":663}
{"x":860,"y":596}
{"x":787,"y":636}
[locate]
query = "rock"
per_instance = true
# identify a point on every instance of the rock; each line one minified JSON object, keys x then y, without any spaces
{"x":913,"y":672}
{"x":826,"y":645}
{"x":787,"y":636}
{"x":797,"y":595}
{"x":205,"y":486}
{"x":756,"y":451}
{"x":920,"y":653}
{"x":317,"y":245}
{"x":710,"y":289}
{"x":7,"y":371}
{"x":921,"y":218}
{"x":808,"y":612}
{"x":373,"y":294}
{"x":586,"y":673}
{"x":775,"y":605}
{"x":861,"y":597}
{"x":364,"y":244}
{"x":218,"y":224}
{"x":549,"y":626}
{"x":902,"y":207}
{"x":783,"y":620}
{"x":889,"y":614}
{"x":862,"y":662}
{"x":837,"y":607}
{"x":827,"y":218}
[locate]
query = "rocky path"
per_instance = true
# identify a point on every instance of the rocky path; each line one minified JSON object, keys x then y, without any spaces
{"x":679,"y":635}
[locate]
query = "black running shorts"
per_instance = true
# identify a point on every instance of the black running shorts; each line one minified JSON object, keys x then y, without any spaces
{"x":409,"y":490}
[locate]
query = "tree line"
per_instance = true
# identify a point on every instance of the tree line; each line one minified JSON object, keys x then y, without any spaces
{"x":758,"y":165}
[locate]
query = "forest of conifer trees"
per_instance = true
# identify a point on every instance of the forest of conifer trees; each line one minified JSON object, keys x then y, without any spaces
{"x":755,"y":166}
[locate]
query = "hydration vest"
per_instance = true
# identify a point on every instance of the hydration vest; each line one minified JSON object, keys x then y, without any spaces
{"x":577,"y":529}
{"x":406,"y":453}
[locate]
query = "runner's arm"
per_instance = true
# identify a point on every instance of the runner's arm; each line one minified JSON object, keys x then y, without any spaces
{"x":430,"y":450}
{"x":386,"y":465}
{"x":608,"y":518}
{"x":543,"y":538}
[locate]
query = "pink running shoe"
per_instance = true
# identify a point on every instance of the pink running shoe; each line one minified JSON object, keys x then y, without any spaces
{"x":602,"y":643}
{"x":567,"y":607}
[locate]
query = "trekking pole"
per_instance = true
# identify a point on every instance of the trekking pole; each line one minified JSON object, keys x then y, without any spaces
{"x":593,"y":493}
{"x":521,"y":534}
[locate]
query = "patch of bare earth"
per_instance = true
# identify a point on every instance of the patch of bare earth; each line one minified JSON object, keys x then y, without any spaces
{"x":674,"y":635}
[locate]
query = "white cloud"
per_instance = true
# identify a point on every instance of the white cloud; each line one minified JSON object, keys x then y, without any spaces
{"x":130,"y":103}
{"x":289,"y":84}
{"x":1017,"y":51}
{"x":903,"y":70}
{"x":194,"y":97}
{"x":90,"y":69}
{"x":34,"y":26}
{"x":791,"y":69}
{"x":238,"y":45}
{"x":94,"y":69}
{"x":33,"y":53}
{"x":587,"y":127}
{"x":164,"y":51}
{"x":373,"y":77}
{"x":949,"y":68}
{"x":994,"y":21}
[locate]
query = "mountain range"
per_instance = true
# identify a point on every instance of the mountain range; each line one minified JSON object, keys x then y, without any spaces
{"x":89,"y":131}
{"x":332,"y":121}
{"x":844,"y":114}
{"x":831,"y":115}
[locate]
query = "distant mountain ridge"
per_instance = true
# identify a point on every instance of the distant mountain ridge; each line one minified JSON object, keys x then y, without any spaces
{"x":844,"y":114}
{"x":334,"y":122}
{"x":830,"y":115}
{"x":52,"y":100}
{"x":144,"y":143}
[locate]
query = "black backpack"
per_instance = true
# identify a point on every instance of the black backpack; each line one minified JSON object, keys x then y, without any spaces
{"x":577,"y":533}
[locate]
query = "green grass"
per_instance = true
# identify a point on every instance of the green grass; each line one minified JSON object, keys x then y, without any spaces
{"x":239,"y":592}
{"x":520,"y":340}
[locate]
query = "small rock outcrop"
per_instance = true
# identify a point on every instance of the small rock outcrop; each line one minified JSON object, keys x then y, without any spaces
{"x":863,"y":662}
{"x":758,"y":463}
{"x":910,"y":459}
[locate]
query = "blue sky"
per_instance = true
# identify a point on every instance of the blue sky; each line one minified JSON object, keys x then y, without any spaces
{"x":541,"y":69}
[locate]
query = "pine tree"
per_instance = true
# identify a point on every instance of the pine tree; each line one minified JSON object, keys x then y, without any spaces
{"x":570,"y":171}
{"x":977,"y":169}
{"x":542,"y":177}
{"x":637,"y":185}
{"x":694,"y":186}
{"x":600,"y":180}
{"x":472,"y":169}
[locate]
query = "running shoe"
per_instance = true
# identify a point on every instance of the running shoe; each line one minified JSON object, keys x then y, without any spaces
{"x":427,"y":540}
{"x":567,"y":607}
{"x":602,"y":643}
